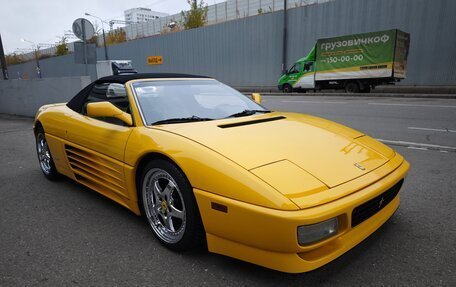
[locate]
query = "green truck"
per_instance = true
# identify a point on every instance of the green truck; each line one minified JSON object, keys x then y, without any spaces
{"x":355,"y":63}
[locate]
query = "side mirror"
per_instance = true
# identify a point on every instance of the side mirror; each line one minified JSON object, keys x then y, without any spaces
{"x":116,"y":91}
{"x":256,"y":97}
{"x":108,"y":110}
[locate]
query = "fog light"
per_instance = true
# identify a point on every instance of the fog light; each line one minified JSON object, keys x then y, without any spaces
{"x":308,"y":234}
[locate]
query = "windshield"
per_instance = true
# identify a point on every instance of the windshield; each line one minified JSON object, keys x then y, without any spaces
{"x":193,"y":99}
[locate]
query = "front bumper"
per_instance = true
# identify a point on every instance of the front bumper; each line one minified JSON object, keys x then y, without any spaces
{"x":268,"y":237}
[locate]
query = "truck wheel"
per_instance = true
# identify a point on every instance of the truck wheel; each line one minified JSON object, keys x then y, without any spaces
{"x":366,"y":90}
{"x":287,"y":88}
{"x":351,"y":87}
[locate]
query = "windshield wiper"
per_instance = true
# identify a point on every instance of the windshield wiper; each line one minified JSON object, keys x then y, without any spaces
{"x":247,"y":113}
{"x":181,"y":120}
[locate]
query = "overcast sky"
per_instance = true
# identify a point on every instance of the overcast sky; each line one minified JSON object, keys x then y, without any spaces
{"x":42,"y":21}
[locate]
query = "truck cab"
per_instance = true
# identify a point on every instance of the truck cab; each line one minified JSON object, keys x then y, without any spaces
{"x":301,"y":76}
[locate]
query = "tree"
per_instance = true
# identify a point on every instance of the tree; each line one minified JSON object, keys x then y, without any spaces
{"x":196,"y":16}
{"x":14,"y":59}
{"x":61,"y":48}
{"x":116,"y":36}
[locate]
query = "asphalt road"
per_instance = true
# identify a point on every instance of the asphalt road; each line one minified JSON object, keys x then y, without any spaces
{"x":62,"y":234}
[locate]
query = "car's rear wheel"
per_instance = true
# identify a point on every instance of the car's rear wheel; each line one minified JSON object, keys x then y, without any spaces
{"x":44,"y":156}
{"x":170,"y":207}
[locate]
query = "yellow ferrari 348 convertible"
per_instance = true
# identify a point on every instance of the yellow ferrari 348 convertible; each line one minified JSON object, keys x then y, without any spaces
{"x":206,"y":165}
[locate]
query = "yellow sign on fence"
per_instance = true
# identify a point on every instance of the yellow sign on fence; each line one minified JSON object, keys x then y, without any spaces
{"x":154,"y":60}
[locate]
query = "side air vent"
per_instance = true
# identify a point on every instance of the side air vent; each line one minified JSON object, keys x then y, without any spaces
{"x":95,"y":171}
{"x":232,"y":125}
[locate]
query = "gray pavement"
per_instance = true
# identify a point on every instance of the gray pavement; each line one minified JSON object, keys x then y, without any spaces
{"x":62,"y":234}
{"x":430,"y":121}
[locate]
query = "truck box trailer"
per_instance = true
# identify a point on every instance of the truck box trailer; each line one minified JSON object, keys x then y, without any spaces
{"x":355,"y":63}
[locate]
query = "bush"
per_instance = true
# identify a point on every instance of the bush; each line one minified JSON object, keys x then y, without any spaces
{"x":196,"y":16}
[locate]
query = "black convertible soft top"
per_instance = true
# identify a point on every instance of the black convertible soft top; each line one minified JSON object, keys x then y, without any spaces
{"x":77,"y":101}
{"x":122,"y":79}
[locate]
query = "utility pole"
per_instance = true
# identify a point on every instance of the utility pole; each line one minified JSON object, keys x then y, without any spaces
{"x":35,"y":49}
{"x":104,"y":44}
{"x":3,"y":60}
{"x":284,"y":44}
{"x":84,"y":46}
{"x":38,"y":68}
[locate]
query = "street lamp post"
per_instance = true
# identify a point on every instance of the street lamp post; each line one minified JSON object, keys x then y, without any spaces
{"x":104,"y":38}
{"x":35,"y":47}
{"x":3,"y":60}
{"x":284,"y":40}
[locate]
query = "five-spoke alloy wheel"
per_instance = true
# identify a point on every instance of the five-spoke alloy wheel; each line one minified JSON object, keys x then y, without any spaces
{"x":44,"y":155}
{"x":168,"y":203}
{"x":164,"y":205}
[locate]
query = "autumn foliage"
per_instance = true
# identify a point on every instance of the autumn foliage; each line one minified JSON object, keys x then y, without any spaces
{"x":116,"y":36}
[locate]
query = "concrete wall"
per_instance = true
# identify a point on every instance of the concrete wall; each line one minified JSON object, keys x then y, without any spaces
{"x":248,"y":52}
{"x":24,"y":97}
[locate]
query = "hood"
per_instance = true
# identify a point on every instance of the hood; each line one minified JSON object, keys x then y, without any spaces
{"x":329,"y":152}
{"x":283,"y":78}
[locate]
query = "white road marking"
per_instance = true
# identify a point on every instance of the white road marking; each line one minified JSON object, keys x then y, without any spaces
{"x":314,"y":102}
{"x":419,"y":148}
{"x":431,"y":129}
{"x":419,"y":145}
{"x":377,"y":104}
{"x":411,"y":105}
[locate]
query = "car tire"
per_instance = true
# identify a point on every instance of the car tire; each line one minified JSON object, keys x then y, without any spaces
{"x":44,"y":155}
{"x":351,"y":87}
{"x":287,"y":88}
{"x":168,"y":204}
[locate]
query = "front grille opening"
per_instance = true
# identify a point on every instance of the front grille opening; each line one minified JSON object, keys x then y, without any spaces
{"x":371,"y":207}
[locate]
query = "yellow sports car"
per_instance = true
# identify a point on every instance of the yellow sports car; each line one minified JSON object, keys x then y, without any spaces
{"x":204,"y":164}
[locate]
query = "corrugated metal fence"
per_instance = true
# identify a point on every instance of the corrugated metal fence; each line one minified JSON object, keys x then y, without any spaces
{"x":247,"y":52}
{"x":216,"y":13}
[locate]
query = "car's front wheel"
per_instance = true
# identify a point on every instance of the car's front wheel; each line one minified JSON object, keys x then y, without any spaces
{"x":44,"y":155}
{"x":287,"y":88}
{"x":170,"y":207}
